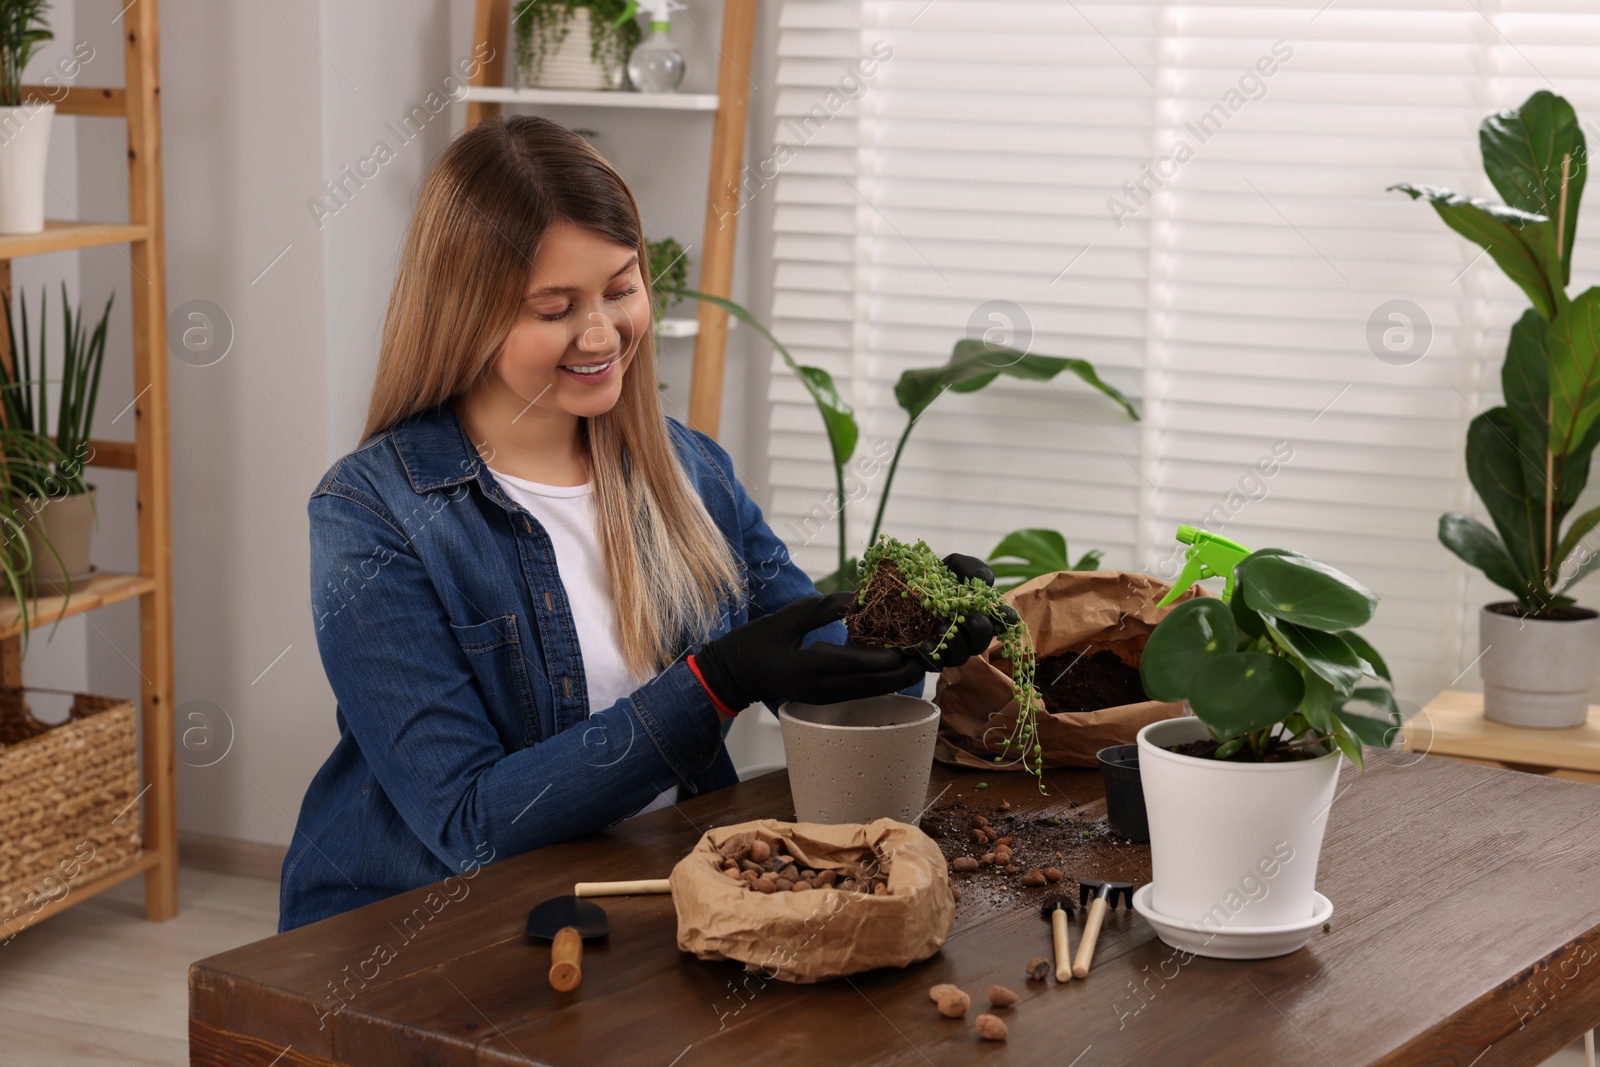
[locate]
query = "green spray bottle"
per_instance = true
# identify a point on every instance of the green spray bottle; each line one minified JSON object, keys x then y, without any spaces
{"x":1211,"y":556}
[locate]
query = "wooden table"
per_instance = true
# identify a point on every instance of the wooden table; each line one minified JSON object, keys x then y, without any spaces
{"x":1452,"y":724}
{"x":1466,"y":930}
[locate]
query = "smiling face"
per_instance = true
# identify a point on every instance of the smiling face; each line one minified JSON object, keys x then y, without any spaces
{"x":583,"y":313}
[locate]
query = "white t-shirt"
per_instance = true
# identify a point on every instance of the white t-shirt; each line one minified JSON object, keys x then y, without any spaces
{"x":567,"y":513}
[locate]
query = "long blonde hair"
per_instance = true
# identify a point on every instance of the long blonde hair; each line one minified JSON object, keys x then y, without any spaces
{"x":483,"y":210}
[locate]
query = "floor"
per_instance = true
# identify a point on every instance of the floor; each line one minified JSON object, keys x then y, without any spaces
{"x":99,"y":985}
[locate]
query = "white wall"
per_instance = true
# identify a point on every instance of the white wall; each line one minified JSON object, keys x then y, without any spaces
{"x":263,"y":103}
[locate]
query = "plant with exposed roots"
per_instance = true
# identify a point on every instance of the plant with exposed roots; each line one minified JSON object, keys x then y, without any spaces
{"x":893,"y":572}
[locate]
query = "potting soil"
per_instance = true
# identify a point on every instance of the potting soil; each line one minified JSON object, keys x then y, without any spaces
{"x":1071,"y":682}
{"x":1076,"y":843}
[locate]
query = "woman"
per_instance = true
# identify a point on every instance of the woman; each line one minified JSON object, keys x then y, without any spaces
{"x":539,"y":602}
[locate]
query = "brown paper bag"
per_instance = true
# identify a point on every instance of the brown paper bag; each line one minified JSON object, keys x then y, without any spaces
{"x":1078,"y":611}
{"x":824,"y":933}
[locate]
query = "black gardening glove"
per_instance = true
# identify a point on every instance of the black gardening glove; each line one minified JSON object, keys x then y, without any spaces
{"x":763,"y":660}
{"x":973,"y":635}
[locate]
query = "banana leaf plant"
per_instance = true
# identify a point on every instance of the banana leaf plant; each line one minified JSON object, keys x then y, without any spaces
{"x":1279,"y":665}
{"x":1529,"y":458}
{"x":973,"y":364}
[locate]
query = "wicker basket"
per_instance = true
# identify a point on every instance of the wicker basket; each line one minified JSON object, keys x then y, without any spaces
{"x":68,"y":792}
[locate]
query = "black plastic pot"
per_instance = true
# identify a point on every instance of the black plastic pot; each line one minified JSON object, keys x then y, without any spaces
{"x":1119,"y":766}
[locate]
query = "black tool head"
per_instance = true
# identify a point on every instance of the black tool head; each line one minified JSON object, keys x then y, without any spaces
{"x":545,"y":920}
{"x":1058,"y":901}
{"x":1111,"y":891}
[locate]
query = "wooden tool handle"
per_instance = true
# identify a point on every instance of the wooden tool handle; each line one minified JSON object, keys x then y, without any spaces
{"x":1091,"y":933}
{"x":1058,"y":929}
{"x":566,"y":960}
{"x":618,"y":889}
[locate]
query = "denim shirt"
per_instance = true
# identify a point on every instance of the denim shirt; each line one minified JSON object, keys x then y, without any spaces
{"x":465,"y":733}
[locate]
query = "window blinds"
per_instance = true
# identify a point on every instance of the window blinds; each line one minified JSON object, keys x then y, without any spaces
{"x":1192,"y":197}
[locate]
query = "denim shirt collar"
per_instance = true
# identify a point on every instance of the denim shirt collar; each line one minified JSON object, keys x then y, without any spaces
{"x":435,"y":450}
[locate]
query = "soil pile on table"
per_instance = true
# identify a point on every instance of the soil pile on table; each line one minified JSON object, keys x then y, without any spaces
{"x":883,"y":618}
{"x":1072,"y":842}
{"x":1072,"y":681}
{"x":1207,"y":748}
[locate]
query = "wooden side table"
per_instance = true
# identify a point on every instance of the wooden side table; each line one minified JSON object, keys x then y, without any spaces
{"x":1452,"y":725}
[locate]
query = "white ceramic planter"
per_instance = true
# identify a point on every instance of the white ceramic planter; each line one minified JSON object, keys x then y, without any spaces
{"x":571,"y":66}
{"x":1233,"y":846}
{"x":1537,"y":672}
{"x":24,"y":148}
{"x":859,"y":760}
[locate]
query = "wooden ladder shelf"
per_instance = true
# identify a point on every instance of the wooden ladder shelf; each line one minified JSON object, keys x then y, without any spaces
{"x":139,"y":104}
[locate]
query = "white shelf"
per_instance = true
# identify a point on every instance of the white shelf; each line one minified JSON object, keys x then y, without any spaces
{"x":686,"y":327}
{"x":496,"y":94}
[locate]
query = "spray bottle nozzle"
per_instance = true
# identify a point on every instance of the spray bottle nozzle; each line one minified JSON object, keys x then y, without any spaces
{"x":1212,"y":556}
{"x":660,"y":11}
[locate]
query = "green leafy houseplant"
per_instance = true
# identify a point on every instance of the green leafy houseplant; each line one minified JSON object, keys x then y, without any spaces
{"x":539,"y":27}
{"x":24,"y":397}
{"x":1278,"y":666}
{"x":973,"y":364}
{"x":893,"y":571}
{"x":669,"y":272}
{"x":22,"y":30}
{"x":26,"y":458}
{"x":1529,"y":459}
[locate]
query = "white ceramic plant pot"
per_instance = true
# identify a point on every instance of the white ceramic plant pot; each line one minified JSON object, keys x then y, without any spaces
{"x":1233,"y":846}
{"x":861,"y":759}
{"x":24,"y":147}
{"x":571,"y":66}
{"x":1537,"y":672}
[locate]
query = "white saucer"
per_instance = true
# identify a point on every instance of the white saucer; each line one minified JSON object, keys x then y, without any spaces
{"x":1240,"y":943}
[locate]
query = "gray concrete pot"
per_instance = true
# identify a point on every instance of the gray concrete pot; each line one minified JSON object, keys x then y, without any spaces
{"x":68,"y":521}
{"x":1538,"y":672}
{"x":859,"y":760}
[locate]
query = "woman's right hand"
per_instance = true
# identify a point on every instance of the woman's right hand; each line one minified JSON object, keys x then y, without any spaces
{"x":764,"y":660}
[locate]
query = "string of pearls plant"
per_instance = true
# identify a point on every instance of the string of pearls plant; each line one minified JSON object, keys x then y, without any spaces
{"x":953,"y":600}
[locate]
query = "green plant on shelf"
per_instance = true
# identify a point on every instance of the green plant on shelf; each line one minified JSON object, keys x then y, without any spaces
{"x":669,"y":272}
{"x":1529,"y":458}
{"x":25,"y":398}
{"x":540,"y":27}
{"x":1277,"y":666}
{"x":22,"y":30}
{"x":918,"y":572}
{"x":973,"y":364}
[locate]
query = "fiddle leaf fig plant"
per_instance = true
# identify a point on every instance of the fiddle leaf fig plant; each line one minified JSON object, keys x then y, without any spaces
{"x":1279,"y":666}
{"x":1529,"y":459}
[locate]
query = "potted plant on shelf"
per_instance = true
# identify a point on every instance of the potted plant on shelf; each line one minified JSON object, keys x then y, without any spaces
{"x":1238,"y":793}
{"x":669,"y":273}
{"x":1529,"y":458}
{"x":26,"y":460}
{"x":59,"y":502}
{"x":565,"y":44}
{"x":24,"y":126}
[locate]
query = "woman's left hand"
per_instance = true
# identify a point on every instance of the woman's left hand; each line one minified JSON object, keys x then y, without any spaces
{"x":973,"y":635}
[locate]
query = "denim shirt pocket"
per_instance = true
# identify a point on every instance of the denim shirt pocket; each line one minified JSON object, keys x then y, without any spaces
{"x":500,"y":662}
